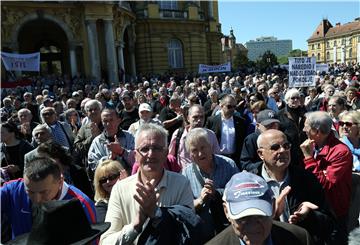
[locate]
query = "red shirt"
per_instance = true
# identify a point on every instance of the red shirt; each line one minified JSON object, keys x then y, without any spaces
{"x":332,"y":167}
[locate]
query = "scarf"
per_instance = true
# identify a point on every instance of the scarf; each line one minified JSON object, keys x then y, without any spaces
{"x":355,"y":152}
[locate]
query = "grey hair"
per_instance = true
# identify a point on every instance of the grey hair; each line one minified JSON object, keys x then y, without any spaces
{"x":25,"y":110}
{"x":154,"y":129}
{"x":227,"y":97}
{"x":290,"y":93}
{"x":319,"y":120}
{"x":41,"y":127}
{"x":42,"y":110}
{"x":200,"y":107}
{"x":92,"y":102}
{"x":196,"y":135}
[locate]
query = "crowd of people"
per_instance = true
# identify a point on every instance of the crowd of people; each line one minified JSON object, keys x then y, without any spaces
{"x":192,"y":159}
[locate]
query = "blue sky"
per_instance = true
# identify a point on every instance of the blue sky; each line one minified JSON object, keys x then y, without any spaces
{"x":282,"y":19}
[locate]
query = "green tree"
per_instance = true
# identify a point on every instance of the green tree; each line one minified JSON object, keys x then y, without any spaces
{"x":266,"y":61}
{"x":240,"y":61}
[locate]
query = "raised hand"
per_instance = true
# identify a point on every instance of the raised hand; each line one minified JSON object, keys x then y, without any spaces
{"x":301,"y":213}
{"x":307,"y":147}
{"x":147,"y":197}
{"x":280,"y":202}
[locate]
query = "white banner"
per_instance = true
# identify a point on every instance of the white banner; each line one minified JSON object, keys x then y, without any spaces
{"x":322,"y":68}
{"x":302,"y":71}
{"x":219,"y":68}
{"x":21,"y":62}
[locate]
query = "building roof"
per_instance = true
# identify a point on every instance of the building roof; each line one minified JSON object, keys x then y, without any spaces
{"x":326,"y":29}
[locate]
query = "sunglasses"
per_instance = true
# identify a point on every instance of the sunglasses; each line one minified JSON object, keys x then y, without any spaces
{"x":347,"y":124}
{"x":230,"y":107}
{"x":295,"y":98}
{"x":275,"y":147}
{"x":109,"y":178}
{"x":46,"y":114}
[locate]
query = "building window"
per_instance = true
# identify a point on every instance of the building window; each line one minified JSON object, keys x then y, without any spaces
{"x":175,"y":54}
{"x":350,"y":53}
{"x":350,"y":41}
{"x":334,"y":43}
{"x":312,"y":47}
{"x":318,"y":46}
{"x":328,"y":44}
{"x":172,"y":5}
{"x":328,"y":55}
{"x":343,"y":41}
{"x":318,"y":57}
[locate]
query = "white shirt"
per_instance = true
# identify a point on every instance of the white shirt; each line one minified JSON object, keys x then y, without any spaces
{"x":227,"y":142}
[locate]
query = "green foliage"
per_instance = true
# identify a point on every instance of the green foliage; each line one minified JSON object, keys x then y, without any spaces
{"x":266,"y":61}
{"x":240,"y":60}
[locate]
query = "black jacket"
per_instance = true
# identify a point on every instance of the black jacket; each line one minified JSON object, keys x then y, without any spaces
{"x":305,"y":187}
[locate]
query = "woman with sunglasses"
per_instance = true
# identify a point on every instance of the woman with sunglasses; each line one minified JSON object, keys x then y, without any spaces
{"x":107,"y":173}
{"x":349,"y":129}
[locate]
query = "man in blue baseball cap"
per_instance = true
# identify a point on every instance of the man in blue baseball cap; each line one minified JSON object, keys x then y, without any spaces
{"x":249,"y":205}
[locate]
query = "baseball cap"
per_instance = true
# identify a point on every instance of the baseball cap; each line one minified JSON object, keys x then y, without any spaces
{"x":266,"y":117}
{"x":145,"y":107}
{"x":247,"y":194}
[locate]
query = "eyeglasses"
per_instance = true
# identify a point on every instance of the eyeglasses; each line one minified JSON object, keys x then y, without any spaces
{"x":347,"y":124}
{"x":93,"y":109}
{"x":230,"y":107}
{"x":46,"y":114}
{"x":146,"y":149}
{"x":295,"y":98}
{"x":275,"y":147}
{"x":109,"y":178}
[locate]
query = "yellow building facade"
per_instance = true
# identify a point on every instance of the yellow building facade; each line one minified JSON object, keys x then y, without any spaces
{"x":114,"y":39}
{"x":335,"y":44}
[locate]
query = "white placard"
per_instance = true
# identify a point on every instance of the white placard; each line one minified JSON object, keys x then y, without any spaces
{"x":218,"y":68}
{"x":302,"y":71}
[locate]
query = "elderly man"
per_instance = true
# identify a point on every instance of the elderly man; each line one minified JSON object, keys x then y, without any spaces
{"x":177,"y":147}
{"x":113,"y":143}
{"x":136,"y":199}
{"x":249,"y":160}
{"x":229,"y":128}
{"x":292,"y":122}
{"x":42,"y":182}
{"x":330,"y":161}
{"x":208,"y":174}
{"x":145,"y":114}
{"x":61,"y":131}
{"x":88,"y":132}
{"x":26,"y":124}
{"x":249,"y":206}
{"x":33,"y":107}
{"x":41,"y":134}
{"x":300,"y":197}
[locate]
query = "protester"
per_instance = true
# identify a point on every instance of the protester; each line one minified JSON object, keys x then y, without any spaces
{"x":208,"y":174}
{"x":107,"y":173}
{"x":42,"y":182}
{"x":249,"y":206}
{"x":330,"y":161}
{"x":140,"y":194}
{"x":13,"y":150}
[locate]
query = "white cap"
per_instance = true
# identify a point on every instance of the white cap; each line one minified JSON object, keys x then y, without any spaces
{"x":145,"y":107}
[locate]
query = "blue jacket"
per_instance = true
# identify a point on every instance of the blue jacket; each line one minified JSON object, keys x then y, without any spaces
{"x":16,"y":205}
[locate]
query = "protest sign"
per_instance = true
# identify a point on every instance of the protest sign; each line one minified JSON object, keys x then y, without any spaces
{"x":21,"y":62}
{"x":218,"y":68}
{"x":302,"y":71}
